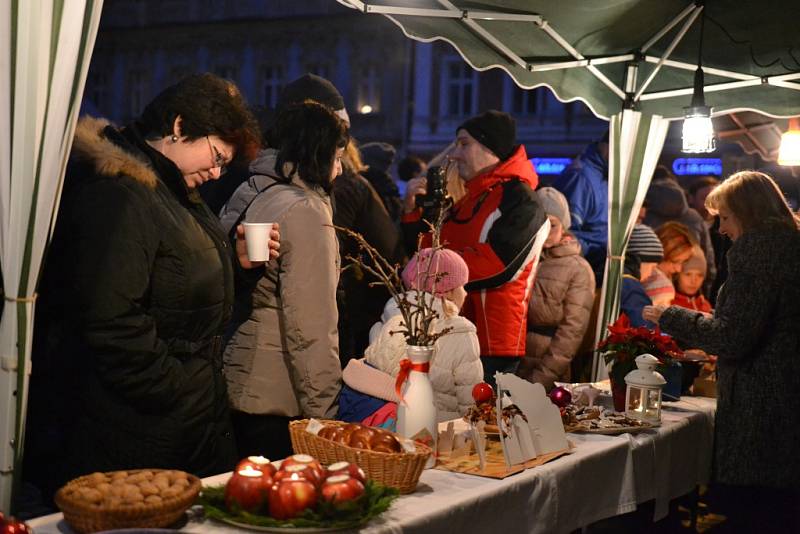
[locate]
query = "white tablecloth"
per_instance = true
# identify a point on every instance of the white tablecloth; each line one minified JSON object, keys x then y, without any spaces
{"x":603,"y":477}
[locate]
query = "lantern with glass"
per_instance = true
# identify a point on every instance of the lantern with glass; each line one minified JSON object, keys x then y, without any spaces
{"x":643,"y":393}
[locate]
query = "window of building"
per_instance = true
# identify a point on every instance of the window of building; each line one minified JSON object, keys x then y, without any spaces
{"x":524,"y":102}
{"x":98,"y":89}
{"x":226,"y":71}
{"x":459,"y":88}
{"x":138,"y":92}
{"x":320,"y":69}
{"x":369,"y":90}
{"x":271,"y":84}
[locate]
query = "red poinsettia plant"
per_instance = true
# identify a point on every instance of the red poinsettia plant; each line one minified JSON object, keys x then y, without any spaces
{"x":626,"y":342}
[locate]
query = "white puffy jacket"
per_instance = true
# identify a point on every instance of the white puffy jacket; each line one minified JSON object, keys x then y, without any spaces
{"x":455,"y":367}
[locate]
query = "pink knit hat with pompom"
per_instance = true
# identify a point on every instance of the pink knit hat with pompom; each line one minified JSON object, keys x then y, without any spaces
{"x":447,"y":272}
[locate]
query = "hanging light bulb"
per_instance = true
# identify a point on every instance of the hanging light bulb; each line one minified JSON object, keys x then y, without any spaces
{"x":698,"y":130}
{"x":789,"y":153}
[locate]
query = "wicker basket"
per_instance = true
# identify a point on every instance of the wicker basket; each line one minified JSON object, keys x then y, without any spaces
{"x":85,"y":517}
{"x":397,"y":470}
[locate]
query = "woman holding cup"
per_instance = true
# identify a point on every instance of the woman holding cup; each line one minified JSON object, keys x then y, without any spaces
{"x":137,"y":291}
{"x":282,"y":360}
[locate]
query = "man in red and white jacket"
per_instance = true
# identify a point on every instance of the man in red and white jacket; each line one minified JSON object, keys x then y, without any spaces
{"x":493,"y":228}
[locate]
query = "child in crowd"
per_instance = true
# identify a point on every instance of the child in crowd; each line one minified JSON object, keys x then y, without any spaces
{"x":561,"y":304}
{"x":455,"y":365}
{"x":689,"y":283}
{"x":643,"y":254}
{"x":678,"y":243}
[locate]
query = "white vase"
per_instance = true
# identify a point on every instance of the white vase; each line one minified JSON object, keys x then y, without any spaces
{"x":418,"y":411}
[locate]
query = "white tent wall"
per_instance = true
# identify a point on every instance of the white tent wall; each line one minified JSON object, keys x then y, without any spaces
{"x":43,"y":67}
{"x":635,"y":143}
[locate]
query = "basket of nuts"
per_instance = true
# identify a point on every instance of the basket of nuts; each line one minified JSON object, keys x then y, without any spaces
{"x":144,"y":498}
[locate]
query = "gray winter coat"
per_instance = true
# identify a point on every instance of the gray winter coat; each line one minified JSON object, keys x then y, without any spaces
{"x":755,"y":331}
{"x":284,"y":358}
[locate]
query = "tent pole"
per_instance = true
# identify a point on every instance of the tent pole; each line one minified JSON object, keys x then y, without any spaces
{"x":693,"y":67}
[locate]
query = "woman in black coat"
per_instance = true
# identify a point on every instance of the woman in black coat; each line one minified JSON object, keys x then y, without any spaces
{"x":755,"y":331}
{"x":136,"y":293}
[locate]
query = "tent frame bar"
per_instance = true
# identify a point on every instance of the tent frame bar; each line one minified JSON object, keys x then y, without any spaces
{"x":657,"y":37}
{"x":778,"y":81}
{"x":708,"y":70}
{"x":447,"y":13}
{"x":541,"y":67}
{"x":668,"y":52}
{"x":563,"y":43}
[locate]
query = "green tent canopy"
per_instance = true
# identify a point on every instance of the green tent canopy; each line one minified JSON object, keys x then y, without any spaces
{"x":581,"y":49}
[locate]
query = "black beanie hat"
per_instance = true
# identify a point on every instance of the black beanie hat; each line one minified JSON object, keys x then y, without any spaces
{"x":311,"y":86}
{"x":495,"y":130}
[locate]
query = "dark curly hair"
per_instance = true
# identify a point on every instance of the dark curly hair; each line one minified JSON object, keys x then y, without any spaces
{"x":207,"y":105}
{"x":306,"y":137}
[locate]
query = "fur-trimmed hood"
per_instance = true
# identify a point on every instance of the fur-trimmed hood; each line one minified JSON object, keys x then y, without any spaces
{"x":91,"y":144}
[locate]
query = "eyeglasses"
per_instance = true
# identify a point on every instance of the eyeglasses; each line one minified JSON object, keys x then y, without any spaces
{"x":217,"y":158}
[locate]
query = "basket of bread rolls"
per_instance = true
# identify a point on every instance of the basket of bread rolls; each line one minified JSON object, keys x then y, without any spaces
{"x":143,"y":498}
{"x":380,"y":453}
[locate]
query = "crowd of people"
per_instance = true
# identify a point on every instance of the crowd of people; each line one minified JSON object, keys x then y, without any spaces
{"x":159,"y":344}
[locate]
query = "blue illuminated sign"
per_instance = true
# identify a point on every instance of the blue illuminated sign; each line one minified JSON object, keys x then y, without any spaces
{"x":550,"y":165}
{"x":691,"y":166}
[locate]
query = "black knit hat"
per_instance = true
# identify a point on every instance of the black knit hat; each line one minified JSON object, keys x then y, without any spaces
{"x":495,"y":130}
{"x":313,"y":87}
{"x":378,"y":156}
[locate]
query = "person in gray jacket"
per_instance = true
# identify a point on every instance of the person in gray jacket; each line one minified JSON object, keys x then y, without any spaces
{"x":282,"y":360}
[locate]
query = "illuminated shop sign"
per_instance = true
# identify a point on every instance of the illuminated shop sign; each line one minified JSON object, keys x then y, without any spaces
{"x":690,"y":166}
{"x":550,"y":165}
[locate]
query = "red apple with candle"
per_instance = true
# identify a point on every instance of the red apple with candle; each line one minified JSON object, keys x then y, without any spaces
{"x":482,"y":392}
{"x":346,"y":468}
{"x":306,"y":460}
{"x":289,"y":497}
{"x":342,"y":488}
{"x":10,"y":525}
{"x":257,"y":462}
{"x":297,"y":471}
{"x":247,"y":489}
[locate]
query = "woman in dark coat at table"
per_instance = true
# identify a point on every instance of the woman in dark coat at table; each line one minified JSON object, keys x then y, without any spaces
{"x":755,"y":331}
{"x":136,"y":292}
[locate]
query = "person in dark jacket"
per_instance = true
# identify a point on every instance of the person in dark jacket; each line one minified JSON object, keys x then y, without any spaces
{"x":643,"y":254}
{"x":358,"y":208}
{"x":754,"y":333}
{"x":585,"y":184}
{"x":666,"y":202}
{"x":493,"y":227}
{"x":136,"y":292}
{"x":378,"y":157}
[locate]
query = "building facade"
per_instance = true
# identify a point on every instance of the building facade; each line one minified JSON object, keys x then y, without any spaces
{"x":412,"y":95}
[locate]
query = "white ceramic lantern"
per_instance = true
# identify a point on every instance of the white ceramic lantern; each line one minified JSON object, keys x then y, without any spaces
{"x":643,"y":394}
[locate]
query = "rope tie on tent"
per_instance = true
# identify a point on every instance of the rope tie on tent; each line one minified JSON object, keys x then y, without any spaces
{"x":32,"y":298}
{"x":620,"y":258}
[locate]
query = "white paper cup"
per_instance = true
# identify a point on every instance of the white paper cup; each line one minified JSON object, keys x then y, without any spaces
{"x":256,"y":236}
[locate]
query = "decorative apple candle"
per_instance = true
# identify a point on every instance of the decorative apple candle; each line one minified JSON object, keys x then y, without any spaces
{"x":247,"y":489}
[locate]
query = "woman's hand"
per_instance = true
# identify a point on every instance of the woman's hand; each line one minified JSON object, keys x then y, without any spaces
{"x":241,"y":247}
{"x":653,"y":313}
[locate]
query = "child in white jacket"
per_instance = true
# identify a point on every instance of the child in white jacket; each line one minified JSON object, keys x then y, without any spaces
{"x":455,"y":365}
